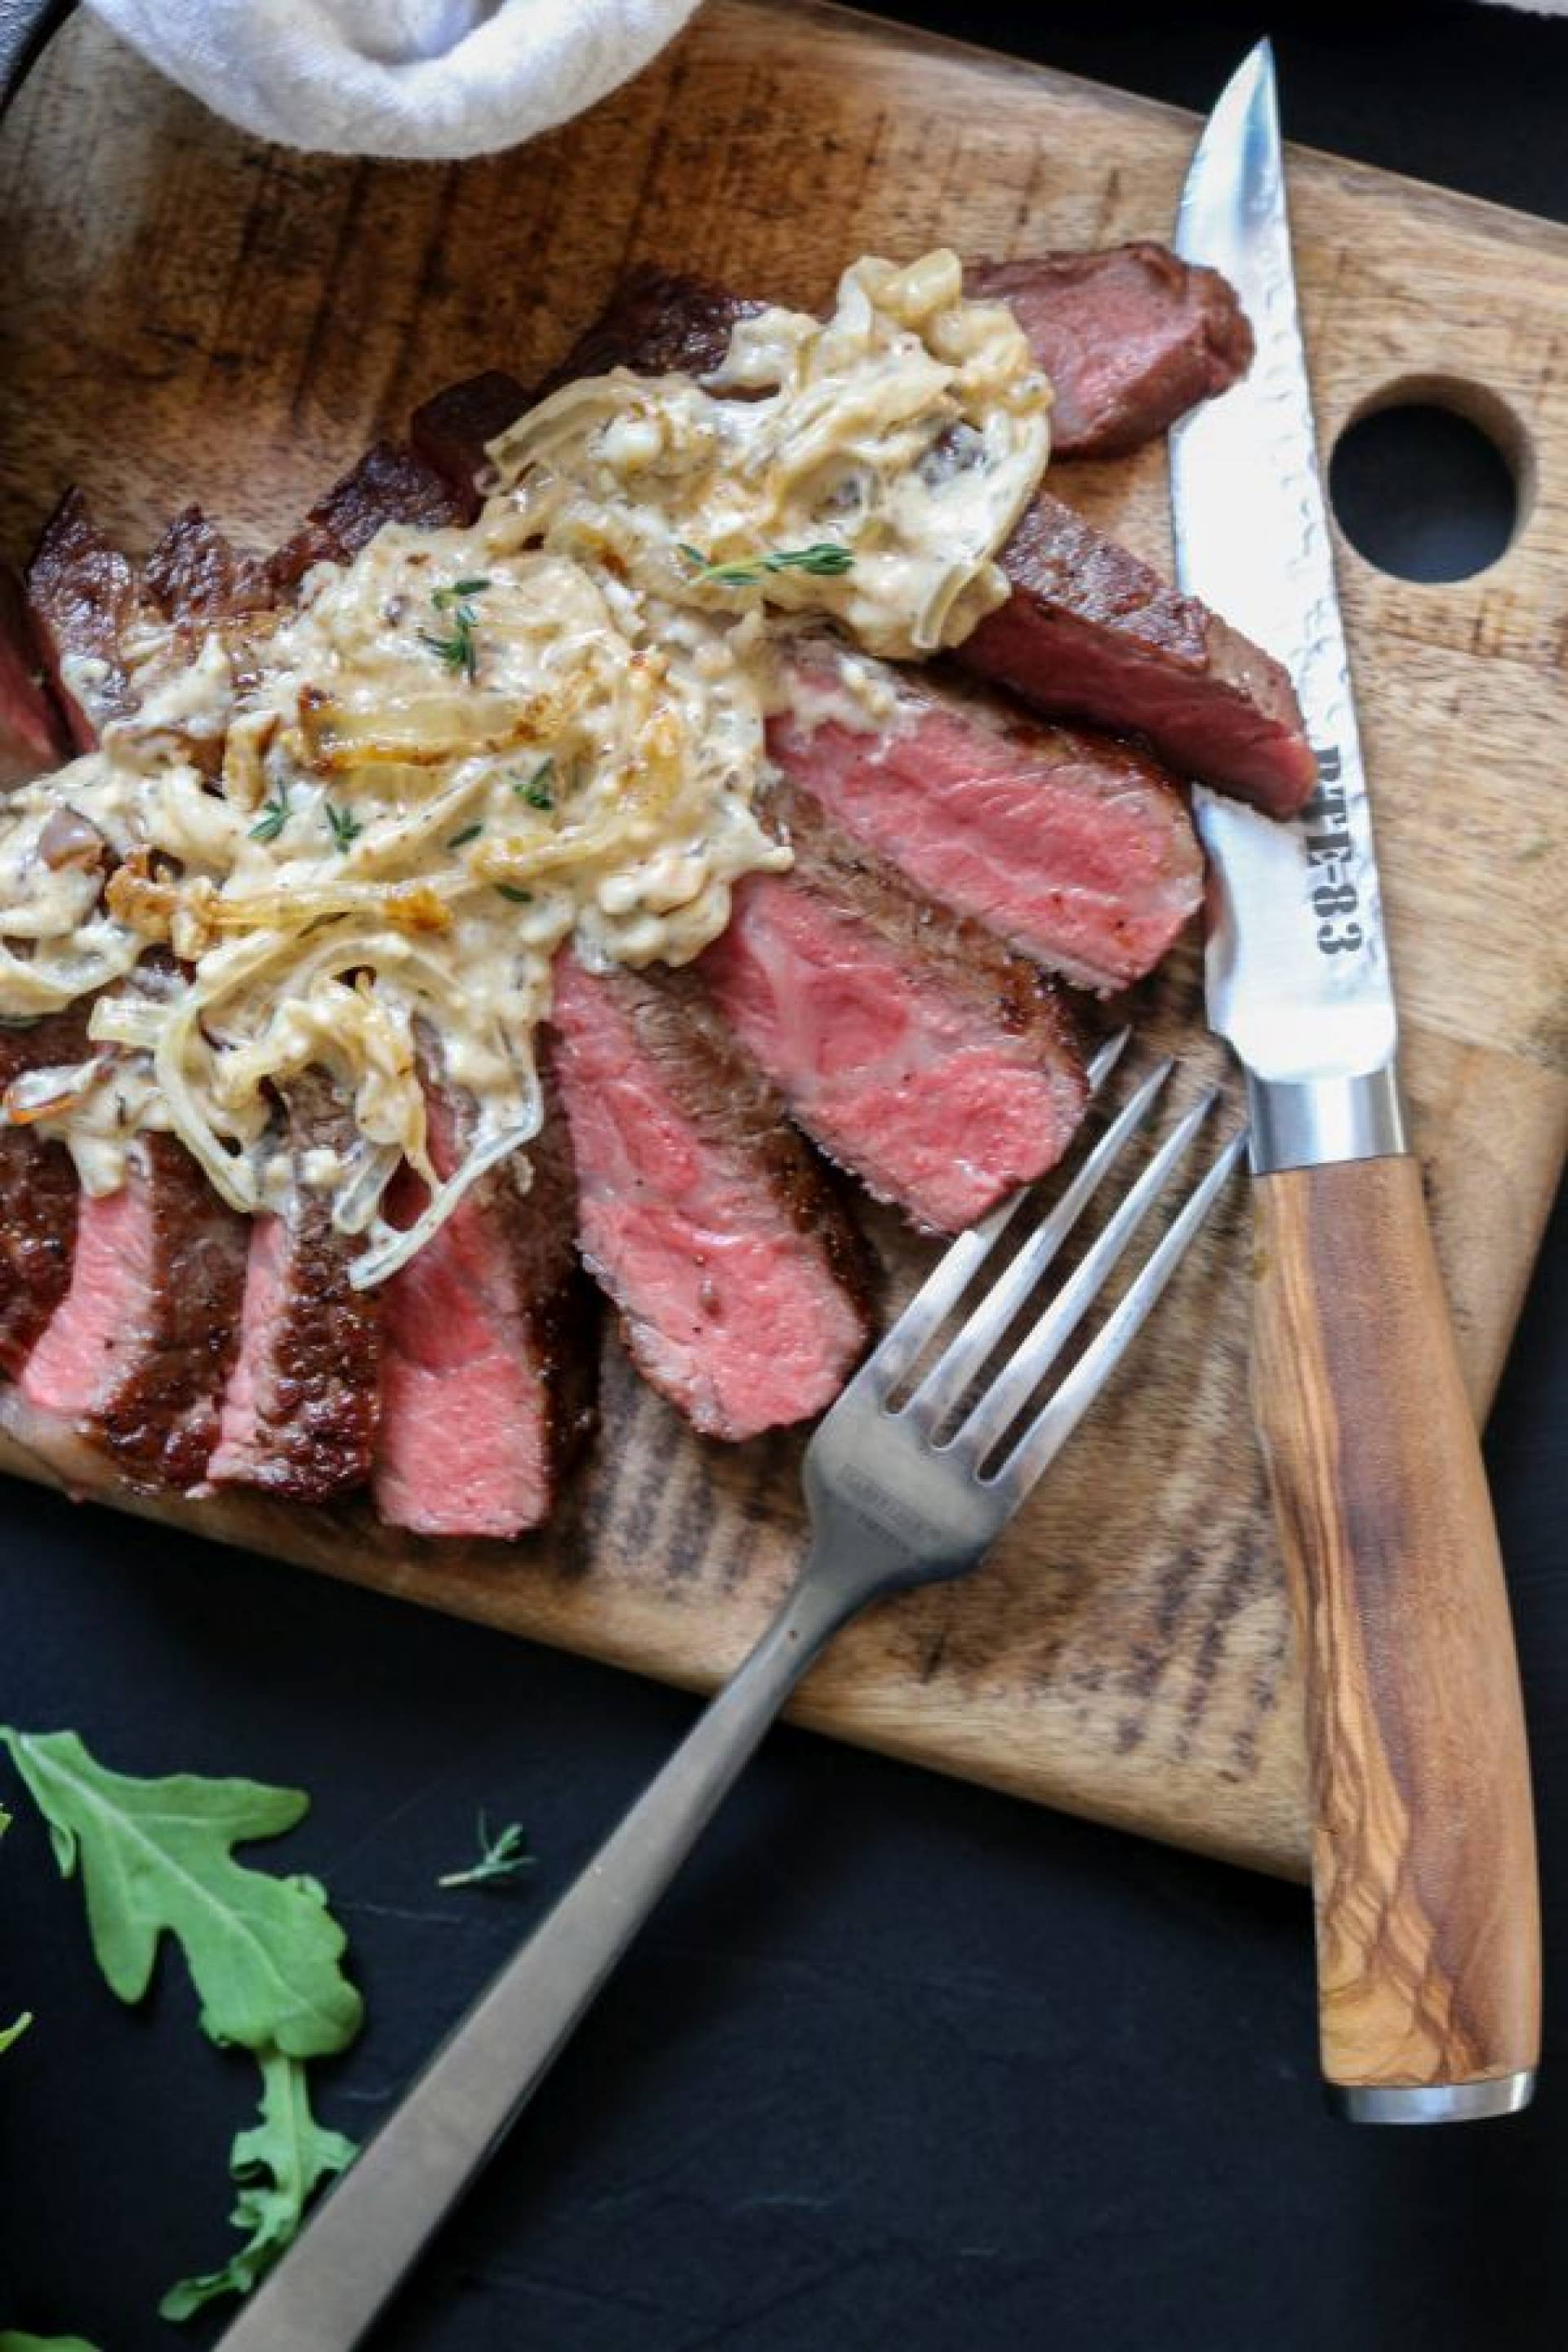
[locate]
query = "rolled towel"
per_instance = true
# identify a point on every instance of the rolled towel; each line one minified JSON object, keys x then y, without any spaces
{"x":410,"y":78}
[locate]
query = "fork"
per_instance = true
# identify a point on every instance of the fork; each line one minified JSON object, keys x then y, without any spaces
{"x":909,"y":1480}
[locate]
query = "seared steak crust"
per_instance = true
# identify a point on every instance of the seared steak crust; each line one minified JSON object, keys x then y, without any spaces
{"x":1130,"y":337}
{"x":37,"y":1192}
{"x":83,"y":593}
{"x":195,"y":575}
{"x":1092,"y":632}
{"x":33,"y":736}
{"x":391,"y":483}
{"x":453,"y":429}
{"x":299,"y":1414}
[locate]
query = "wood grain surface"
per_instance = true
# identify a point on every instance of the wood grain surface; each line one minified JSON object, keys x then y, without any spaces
{"x":1428,"y":1926}
{"x":184,"y":314}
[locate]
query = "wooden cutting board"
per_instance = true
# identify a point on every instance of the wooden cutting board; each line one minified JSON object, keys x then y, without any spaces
{"x":185,"y":314}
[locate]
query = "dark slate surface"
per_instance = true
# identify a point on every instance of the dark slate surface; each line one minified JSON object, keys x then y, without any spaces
{"x":899,"y":2063}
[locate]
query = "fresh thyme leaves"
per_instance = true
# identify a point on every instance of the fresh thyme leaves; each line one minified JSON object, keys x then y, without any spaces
{"x":824,"y":559}
{"x":273,"y":818}
{"x":535,"y":789}
{"x":517,"y":898}
{"x":469,"y":832}
{"x":156,"y":1858}
{"x":502,"y":1859}
{"x":458,"y":650}
{"x":344,"y":826}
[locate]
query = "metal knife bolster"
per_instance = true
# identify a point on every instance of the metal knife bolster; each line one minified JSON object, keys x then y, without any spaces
{"x":1311,"y":1123}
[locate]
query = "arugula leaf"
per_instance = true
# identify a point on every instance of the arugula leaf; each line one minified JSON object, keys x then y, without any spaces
{"x":277,"y":2165}
{"x":11,"y":2033}
{"x":17,"y":2339}
{"x":155,"y":1856}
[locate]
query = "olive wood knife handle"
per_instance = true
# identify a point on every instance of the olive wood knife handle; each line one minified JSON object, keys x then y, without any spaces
{"x":1424,"y":1845}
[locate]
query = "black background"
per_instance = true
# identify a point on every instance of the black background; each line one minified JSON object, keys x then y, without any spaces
{"x":899,"y":2063}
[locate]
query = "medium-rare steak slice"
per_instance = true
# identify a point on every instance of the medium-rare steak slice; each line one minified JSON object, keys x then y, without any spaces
{"x":136,"y":1355}
{"x":1077,"y":849}
{"x":299,"y":1413}
{"x":737,"y":1276}
{"x":913,"y":1047}
{"x":33,"y":737}
{"x":1089,"y":632}
{"x":38,"y":1191}
{"x":1130,"y":337}
{"x":1092,"y":632}
{"x":83,"y":594}
{"x":489,"y":1362}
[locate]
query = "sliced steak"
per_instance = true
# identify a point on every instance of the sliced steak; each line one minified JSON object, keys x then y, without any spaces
{"x":1077,"y":849}
{"x":1088,"y":631}
{"x":300,"y":1410}
{"x":454,"y":429}
{"x":737,"y":1276}
{"x":1092,"y":632}
{"x":194,"y":575}
{"x":137,"y":1354}
{"x":1131,"y":337}
{"x":33,"y":735}
{"x":391,"y":483}
{"x":912,"y":1046}
{"x":490,"y":1360}
{"x":83,"y":593}
{"x":38,"y":1191}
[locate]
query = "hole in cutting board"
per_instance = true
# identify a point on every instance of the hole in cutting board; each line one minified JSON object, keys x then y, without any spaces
{"x":1431,"y":479}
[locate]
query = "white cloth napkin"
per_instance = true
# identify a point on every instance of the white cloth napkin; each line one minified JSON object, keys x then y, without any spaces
{"x":420,"y":77}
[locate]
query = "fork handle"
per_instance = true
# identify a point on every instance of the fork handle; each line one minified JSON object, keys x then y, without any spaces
{"x":366,"y":2234}
{"x":1423,"y":1846}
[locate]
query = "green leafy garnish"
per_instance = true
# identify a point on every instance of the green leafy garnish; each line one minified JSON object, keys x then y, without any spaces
{"x":469,"y":832}
{"x":17,"y":2339}
{"x":456,"y":649}
{"x":344,"y":826}
{"x":824,"y":559}
{"x":276,"y":2165}
{"x":273,"y":818}
{"x":265,"y":1953}
{"x":517,"y":898}
{"x":12,"y":2032}
{"x":502,"y":1859}
{"x":156,"y":1857}
{"x":535,"y":789}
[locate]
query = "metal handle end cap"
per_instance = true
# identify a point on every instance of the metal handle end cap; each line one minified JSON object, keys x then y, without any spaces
{"x":1432,"y":2103}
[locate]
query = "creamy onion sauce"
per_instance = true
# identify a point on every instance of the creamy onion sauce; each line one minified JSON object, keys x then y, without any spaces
{"x":382,"y":812}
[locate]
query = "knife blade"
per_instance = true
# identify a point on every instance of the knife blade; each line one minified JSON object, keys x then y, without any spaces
{"x":1296,"y":966}
{"x":1423,"y":1861}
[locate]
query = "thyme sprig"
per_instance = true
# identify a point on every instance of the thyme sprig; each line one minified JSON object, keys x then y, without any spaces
{"x":343,"y":826}
{"x":457,"y":649}
{"x":825,"y":559}
{"x":502,"y":1859}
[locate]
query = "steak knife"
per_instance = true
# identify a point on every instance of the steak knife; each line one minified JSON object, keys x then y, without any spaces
{"x":1423,"y":1854}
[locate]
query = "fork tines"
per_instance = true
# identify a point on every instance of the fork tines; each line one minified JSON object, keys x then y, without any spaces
{"x":942,"y":1403}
